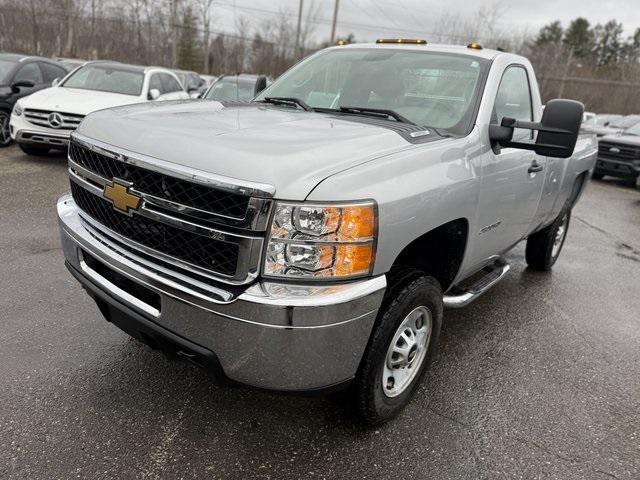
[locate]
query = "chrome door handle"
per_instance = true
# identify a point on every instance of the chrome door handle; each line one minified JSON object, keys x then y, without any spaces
{"x":535,"y":167}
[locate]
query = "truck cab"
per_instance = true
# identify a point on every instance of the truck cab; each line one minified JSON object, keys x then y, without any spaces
{"x":310,"y":240}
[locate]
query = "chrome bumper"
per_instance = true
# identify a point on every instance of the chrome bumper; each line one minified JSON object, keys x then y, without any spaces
{"x":275,"y":336}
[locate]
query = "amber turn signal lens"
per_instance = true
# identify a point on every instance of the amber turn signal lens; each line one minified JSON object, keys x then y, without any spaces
{"x":358,"y":223}
{"x":353,"y":260}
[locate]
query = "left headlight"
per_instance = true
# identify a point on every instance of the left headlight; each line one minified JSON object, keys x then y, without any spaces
{"x":17,"y":109}
{"x":322,"y":241}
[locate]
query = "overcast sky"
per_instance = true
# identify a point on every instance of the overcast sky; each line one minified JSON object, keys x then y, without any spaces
{"x":368,"y":19}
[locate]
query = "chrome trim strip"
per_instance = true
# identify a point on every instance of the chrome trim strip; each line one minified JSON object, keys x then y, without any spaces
{"x":229,"y":184}
{"x":249,"y":248}
{"x":256,"y":215}
{"x":115,"y":290}
{"x":459,"y":301}
{"x":61,"y":135}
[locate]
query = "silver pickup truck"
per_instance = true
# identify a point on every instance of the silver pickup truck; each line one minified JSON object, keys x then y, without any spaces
{"x":310,"y":240}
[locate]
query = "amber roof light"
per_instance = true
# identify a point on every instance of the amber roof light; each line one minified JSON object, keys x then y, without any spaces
{"x":409,"y":41}
{"x":474,"y":46}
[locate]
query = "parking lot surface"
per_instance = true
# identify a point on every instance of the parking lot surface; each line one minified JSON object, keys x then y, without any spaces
{"x":537,"y":379}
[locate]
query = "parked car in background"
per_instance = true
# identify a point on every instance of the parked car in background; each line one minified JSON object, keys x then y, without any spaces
{"x":22,"y":75}
{"x":208,"y":80}
{"x":236,"y":88}
{"x":45,"y":120}
{"x":71,"y":63}
{"x":619,"y":155}
{"x":191,"y":81}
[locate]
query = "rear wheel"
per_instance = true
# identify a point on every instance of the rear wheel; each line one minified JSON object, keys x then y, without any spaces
{"x":544,"y":247}
{"x":31,"y":149}
{"x":5,"y":132}
{"x":401,"y":346}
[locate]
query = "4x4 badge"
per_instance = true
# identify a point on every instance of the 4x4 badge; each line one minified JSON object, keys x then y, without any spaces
{"x":118,"y":194}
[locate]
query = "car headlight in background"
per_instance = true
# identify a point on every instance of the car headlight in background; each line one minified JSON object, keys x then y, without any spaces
{"x":17,"y":109}
{"x":321,"y":241}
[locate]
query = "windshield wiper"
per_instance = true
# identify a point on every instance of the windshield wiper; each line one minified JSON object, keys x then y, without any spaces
{"x":376,"y":112}
{"x":287,"y":101}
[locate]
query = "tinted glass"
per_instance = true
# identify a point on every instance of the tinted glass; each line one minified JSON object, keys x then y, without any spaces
{"x":428,"y":88}
{"x":51,"y":72}
{"x":6,"y":66}
{"x":30,"y":72}
{"x":232,"y":89}
{"x":514,"y":100}
{"x":106,"y":79}
{"x":170,"y":84}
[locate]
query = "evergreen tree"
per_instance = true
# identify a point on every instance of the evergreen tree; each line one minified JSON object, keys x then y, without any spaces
{"x":579,"y":37}
{"x":608,"y":43}
{"x":551,"y":33}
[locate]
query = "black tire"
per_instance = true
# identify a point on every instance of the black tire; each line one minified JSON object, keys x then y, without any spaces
{"x":597,"y":176}
{"x":31,"y":149}
{"x":5,"y":136}
{"x":408,"y":290}
{"x":540,"y":252}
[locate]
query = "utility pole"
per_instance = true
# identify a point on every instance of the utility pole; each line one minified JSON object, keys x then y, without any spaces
{"x":335,"y":21}
{"x":565,"y":74}
{"x":297,"y":52}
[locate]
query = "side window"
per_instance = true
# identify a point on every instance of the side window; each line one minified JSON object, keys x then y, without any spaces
{"x":514,"y":100}
{"x":51,"y":72}
{"x":154,"y":82}
{"x":29,"y":72}
{"x":170,"y":84}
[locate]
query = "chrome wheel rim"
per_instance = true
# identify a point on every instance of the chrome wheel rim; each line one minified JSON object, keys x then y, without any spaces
{"x":559,"y":238}
{"x":5,"y":135}
{"x":407,"y":352}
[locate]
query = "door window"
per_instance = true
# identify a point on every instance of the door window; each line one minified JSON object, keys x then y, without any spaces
{"x":169,"y":83}
{"x":29,"y":72}
{"x":155,"y":83}
{"x":514,"y":100}
{"x":51,"y":72}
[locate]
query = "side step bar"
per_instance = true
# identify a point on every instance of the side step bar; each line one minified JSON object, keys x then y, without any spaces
{"x":466,"y":292}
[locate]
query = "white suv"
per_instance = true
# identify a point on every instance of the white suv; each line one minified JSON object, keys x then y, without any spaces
{"x":45,"y":119}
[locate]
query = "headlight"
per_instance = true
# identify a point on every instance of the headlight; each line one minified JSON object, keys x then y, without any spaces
{"x":17,"y":109}
{"x":321,"y":241}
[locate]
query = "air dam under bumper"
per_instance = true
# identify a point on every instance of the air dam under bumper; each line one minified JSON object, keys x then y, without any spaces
{"x":274,"y":336}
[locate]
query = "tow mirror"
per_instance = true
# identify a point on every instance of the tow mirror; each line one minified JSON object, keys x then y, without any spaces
{"x":154,"y":94}
{"x":557,"y":131}
{"x":15,"y":86}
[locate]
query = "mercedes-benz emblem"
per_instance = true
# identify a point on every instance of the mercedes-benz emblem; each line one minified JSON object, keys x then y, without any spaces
{"x":55,"y":120}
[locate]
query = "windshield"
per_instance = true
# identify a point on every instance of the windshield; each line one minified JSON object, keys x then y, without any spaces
{"x":429,"y":89}
{"x":5,"y":68}
{"x":232,"y":89}
{"x":106,"y":79}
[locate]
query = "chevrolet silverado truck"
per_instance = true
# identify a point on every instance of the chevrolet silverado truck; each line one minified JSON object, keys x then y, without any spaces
{"x":308,"y":241}
{"x":619,"y":155}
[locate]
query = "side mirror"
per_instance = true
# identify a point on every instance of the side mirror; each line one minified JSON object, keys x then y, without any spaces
{"x":261,"y":84}
{"x":15,"y":86}
{"x":55,"y":82}
{"x":557,"y":131}
{"x":154,"y":94}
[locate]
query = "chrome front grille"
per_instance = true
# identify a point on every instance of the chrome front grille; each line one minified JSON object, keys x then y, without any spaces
{"x":618,"y":151}
{"x":181,"y":219}
{"x":53,"y":119}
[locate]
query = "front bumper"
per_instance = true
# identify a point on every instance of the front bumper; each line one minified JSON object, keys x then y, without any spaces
{"x":274,"y":336}
{"x":616,"y":168}
{"x":24,"y":132}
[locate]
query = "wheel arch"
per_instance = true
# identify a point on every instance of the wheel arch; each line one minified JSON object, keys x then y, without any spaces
{"x":438,"y":252}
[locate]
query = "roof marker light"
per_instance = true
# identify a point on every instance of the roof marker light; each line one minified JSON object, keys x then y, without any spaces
{"x":474,"y":46}
{"x":409,"y":41}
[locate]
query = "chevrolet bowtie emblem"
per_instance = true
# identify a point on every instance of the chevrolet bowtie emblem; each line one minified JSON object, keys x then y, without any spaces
{"x":118,"y":194}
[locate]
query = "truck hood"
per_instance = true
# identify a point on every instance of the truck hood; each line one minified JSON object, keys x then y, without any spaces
{"x":74,"y":100}
{"x":291,"y":150}
{"x":622,"y":139}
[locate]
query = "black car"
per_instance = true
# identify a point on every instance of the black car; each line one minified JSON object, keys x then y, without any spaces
{"x":236,"y":88}
{"x":21,"y":75}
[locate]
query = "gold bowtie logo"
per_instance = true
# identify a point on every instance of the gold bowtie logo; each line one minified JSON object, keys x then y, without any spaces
{"x":118,"y":194}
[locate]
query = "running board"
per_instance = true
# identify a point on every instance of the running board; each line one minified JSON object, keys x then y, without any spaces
{"x":466,"y":292}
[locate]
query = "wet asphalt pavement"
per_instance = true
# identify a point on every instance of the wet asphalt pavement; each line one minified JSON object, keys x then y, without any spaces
{"x":538,"y":379}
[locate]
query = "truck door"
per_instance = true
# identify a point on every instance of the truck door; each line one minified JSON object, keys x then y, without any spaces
{"x":512,"y":180}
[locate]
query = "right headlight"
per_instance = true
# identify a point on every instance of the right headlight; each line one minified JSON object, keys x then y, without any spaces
{"x":17,"y":109}
{"x":321,"y":241}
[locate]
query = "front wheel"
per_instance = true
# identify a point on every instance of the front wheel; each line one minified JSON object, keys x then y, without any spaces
{"x":401,"y":346}
{"x":5,"y":130}
{"x":544,"y":247}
